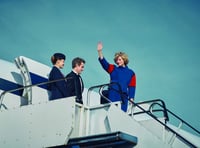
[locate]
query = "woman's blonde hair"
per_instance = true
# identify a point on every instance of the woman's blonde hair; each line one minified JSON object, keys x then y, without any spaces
{"x":123,"y":56}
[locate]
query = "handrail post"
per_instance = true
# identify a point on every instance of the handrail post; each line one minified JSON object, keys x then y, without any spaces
{"x":101,"y":87}
{"x":93,"y":87}
{"x":1,"y":98}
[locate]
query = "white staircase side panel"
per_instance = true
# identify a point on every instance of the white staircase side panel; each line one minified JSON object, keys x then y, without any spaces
{"x":163,"y":134}
{"x":189,"y":136}
{"x":120,"y":121}
{"x":39,"y":125}
{"x":12,"y":101}
{"x":90,"y":120}
{"x":167,"y":136}
{"x":39,"y":95}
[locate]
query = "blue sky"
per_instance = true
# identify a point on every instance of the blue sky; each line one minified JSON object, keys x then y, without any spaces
{"x":161,"y":38}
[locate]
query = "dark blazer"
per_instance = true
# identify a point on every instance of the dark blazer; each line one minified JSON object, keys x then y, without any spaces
{"x":75,"y":86}
{"x":58,"y":89}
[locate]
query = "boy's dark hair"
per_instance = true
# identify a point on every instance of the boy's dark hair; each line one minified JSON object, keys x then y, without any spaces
{"x":77,"y":61}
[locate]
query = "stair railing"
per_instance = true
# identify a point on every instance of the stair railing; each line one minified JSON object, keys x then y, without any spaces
{"x":101,"y":88}
{"x":21,"y":88}
{"x":166,"y":111}
{"x":148,"y":112}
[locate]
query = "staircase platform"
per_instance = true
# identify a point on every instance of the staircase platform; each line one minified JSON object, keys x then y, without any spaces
{"x":108,"y":140}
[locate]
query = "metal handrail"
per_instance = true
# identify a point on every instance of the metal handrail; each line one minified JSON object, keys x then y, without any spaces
{"x":147,"y":112}
{"x":166,"y":111}
{"x":186,"y":123}
{"x":100,"y":92}
{"x":101,"y":87}
{"x":167,"y":127}
{"x":32,"y":85}
{"x":155,"y":102}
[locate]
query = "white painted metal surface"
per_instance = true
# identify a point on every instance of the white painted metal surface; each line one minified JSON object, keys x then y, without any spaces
{"x":39,"y":125}
{"x":28,"y":67}
{"x":11,"y":74}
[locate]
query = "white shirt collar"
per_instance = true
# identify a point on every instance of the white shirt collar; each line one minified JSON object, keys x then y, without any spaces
{"x":75,"y":71}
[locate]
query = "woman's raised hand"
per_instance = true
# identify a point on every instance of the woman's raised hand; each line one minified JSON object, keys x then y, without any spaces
{"x":99,"y":46}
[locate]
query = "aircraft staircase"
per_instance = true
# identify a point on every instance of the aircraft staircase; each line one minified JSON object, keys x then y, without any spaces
{"x":65,"y":123}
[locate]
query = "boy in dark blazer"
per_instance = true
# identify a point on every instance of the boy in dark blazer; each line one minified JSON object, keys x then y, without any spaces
{"x":75,"y":84}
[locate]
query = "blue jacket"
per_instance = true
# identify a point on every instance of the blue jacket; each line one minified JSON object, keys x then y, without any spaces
{"x":58,"y":89}
{"x":125,"y":77}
